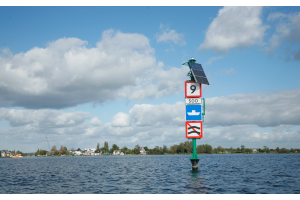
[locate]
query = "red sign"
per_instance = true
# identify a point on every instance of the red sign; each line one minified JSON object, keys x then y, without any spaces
{"x":192,"y":89}
{"x":193,"y":129}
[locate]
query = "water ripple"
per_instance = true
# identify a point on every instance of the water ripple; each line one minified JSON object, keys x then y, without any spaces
{"x":233,"y":174}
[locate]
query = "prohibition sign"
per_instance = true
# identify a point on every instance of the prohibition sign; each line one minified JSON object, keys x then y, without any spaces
{"x":193,"y":129}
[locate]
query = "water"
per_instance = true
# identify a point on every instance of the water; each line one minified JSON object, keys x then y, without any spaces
{"x":167,"y":174}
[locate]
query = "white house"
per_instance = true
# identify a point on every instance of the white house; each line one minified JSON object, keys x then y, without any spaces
{"x":77,"y":152}
{"x":116,"y":152}
{"x":142,"y":151}
{"x":5,"y":153}
{"x":89,"y":152}
{"x":254,"y":150}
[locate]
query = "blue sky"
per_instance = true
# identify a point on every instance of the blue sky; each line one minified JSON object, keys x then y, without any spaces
{"x":92,"y":74}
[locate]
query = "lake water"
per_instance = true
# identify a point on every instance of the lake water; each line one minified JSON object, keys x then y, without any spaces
{"x":166,"y":174}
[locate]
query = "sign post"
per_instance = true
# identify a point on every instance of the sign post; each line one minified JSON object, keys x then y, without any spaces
{"x":194,"y":107}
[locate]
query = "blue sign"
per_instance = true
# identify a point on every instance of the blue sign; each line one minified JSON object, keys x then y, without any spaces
{"x":193,"y":112}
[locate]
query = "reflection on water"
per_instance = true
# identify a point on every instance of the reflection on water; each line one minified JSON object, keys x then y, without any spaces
{"x":196,"y":184}
{"x":274,"y":173}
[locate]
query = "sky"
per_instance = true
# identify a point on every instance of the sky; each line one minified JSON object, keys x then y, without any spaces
{"x":86,"y":75}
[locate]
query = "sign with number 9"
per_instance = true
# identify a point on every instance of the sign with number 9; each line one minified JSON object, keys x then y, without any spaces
{"x":192,"y":89}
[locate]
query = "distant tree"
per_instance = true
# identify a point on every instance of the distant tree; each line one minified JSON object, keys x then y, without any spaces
{"x":165,"y":149}
{"x":173,"y":149}
{"x":56,"y":153}
{"x":137,"y":149}
{"x":98,"y":147}
{"x":113,"y":148}
{"x":72,"y":149}
{"x":53,"y":148}
{"x":41,"y":152}
{"x":124,"y":149}
{"x":19,"y":152}
{"x":37,"y":152}
{"x":200,"y":149}
{"x":180,"y":148}
{"x":259,"y":150}
{"x":284,"y":150}
{"x":215,"y":150}
{"x":242,"y":148}
{"x":238,"y":150}
{"x":104,"y":151}
{"x":222,"y":150}
{"x":146,"y":148}
{"x":208,"y":149}
{"x":219,"y":149}
{"x":248,"y":151}
{"x":188,"y":147}
{"x":106,"y":147}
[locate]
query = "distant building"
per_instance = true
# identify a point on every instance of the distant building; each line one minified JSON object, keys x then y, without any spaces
{"x":97,"y":153}
{"x":142,"y":151}
{"x":5,"y":153}
{"x":89,"y":152}
{"x":254,"y":150}
{"x":116,"y":152}
{"x":77,"y":152}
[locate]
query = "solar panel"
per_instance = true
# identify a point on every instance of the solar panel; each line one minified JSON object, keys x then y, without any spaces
{"x":198,"y":73}
{"x":203,"y":80}
{"x":195,"y":66}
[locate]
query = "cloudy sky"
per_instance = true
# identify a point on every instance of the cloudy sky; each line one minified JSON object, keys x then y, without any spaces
{"x":85,"y":75}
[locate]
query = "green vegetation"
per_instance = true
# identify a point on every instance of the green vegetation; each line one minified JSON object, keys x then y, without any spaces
{"x":182,"y":148}
{"x":40,"y":152}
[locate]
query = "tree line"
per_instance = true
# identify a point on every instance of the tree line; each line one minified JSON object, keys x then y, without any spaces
{"x":182,"y":148}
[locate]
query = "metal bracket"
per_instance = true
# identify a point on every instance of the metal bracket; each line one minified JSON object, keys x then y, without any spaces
{"x":203,"y":113}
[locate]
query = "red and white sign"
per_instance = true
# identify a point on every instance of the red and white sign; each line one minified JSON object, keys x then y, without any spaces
{"x":193,"y":129}
{"x":192,"y":89}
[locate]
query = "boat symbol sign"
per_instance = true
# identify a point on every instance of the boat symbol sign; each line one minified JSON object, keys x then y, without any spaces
{"x":193,"y":112}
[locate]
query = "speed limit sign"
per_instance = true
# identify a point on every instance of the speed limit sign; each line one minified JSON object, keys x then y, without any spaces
{"x":192,"y":89}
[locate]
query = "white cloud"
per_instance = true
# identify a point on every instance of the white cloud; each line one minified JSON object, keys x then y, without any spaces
{"x":67,"y":73}
{"x":277,"y":15}
{"x":267,"y":109}
{"x":287,"y":29}
{"x":158,"y":115}
{"x":95,"y":122}
{"x":213,"y":59}
{"x":234,"y":27}
{"x":231,"y":71}
{"x":43,"y":118}
{"x":146,"y":87}
{"x":252,"y":136}
{"x":120,"y":119}
{"x":248,"y":119}
{"x":170,"y":36}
